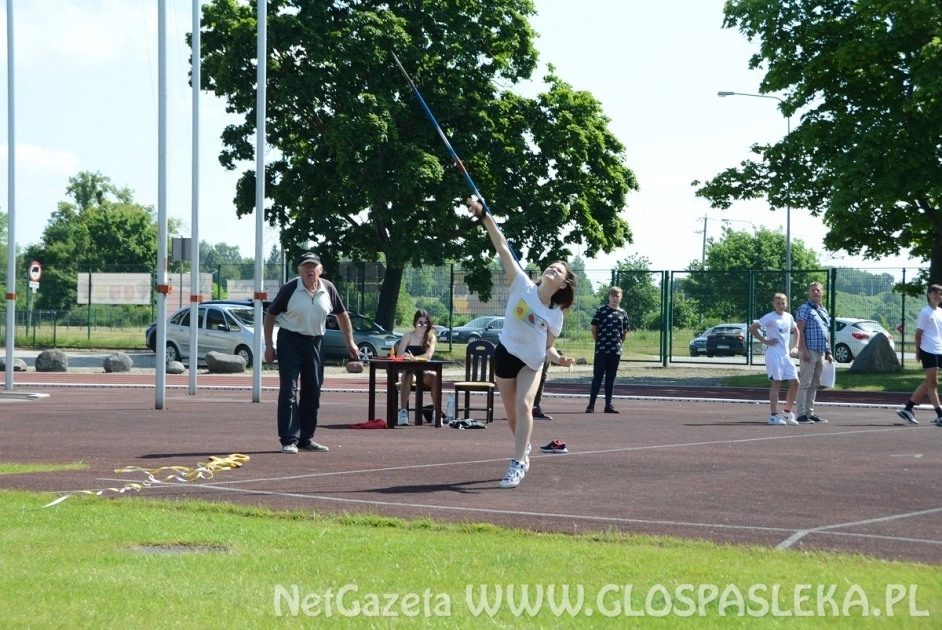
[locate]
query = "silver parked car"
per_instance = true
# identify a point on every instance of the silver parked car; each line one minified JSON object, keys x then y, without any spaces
{"x":227,"y":327}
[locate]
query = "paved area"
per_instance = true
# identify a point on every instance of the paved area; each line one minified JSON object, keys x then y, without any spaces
{"x":677,"y":461}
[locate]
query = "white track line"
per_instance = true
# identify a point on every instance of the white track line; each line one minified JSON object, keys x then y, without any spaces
{"x":791,"y":540}
{"x":796,"y":535}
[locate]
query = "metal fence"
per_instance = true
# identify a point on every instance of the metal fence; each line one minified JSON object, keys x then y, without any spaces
{"x":666,"y":309}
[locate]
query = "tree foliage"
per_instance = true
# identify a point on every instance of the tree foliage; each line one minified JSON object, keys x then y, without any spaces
{"x":738,"y":261}
{"x":866,"y":76}
{"x":358,"y":167}
{"x":101,"y":230}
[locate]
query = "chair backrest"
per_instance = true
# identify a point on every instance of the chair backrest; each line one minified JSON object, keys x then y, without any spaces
{"x":478,"y":361}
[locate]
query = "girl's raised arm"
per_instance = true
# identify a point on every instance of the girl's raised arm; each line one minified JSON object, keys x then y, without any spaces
{"x":511,"y":268}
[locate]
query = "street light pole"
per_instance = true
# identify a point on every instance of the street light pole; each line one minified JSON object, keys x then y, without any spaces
{"x":788,"y":208}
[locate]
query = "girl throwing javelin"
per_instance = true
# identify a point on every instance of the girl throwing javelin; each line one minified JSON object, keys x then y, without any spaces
{"x":533,"y":319}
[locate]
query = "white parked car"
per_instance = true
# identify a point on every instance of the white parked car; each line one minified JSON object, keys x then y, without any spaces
{"x":852,"y":335}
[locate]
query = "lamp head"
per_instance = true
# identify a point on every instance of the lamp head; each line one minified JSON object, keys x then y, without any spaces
{"x":725,"y":93}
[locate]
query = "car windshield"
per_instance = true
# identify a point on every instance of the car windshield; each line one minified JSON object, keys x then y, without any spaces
{"x":728,"y":330}
{"x":244,"y":315}
{"x":365,"y":325}
{"x":478,"y":322}
{"x":869,"y":326}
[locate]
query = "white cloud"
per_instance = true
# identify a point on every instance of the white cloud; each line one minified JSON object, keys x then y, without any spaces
{"x":84,"y":33}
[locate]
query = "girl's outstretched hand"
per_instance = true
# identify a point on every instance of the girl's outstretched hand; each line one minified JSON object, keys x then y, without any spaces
{"x":566,"y":362}
{"x":477,"y":210}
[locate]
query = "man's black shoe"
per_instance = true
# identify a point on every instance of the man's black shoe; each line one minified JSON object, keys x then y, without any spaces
{"x":804,"y":420}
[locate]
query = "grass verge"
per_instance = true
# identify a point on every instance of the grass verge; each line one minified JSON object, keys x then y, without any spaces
{"x":16,"y":469}
{"x":904,"y":381}
{"x":134,"y":562}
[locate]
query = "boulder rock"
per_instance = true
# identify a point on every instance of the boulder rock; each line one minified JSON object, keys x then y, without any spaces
{"x":877,"y":357}
{"x":219,"y":363}
{"x":19,"y":365}
{"x":52,"y":361}
{"x":175,"y":367}
{"x":118,"y":362}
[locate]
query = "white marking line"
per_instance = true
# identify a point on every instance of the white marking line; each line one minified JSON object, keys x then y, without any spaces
{"x":916,"y":455}
{"x":578,"y":517}
{"x":337,"y":390}
{"x":228,"y":485}
{"x":542,"y":456}
{"x":791,"y":540}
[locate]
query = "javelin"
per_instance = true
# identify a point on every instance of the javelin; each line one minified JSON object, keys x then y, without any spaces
{"x":454,"y":156}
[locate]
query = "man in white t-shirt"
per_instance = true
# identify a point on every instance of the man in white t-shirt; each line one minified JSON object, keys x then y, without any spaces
{"x":778,"y":358}
{"x":928,"y":344}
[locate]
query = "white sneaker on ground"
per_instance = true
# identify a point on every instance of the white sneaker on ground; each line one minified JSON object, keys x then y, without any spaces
{"x":291,"y":449}
{"x":776,"y":419}
{"x":514,"y":475}
{"x":789,"y":418}
{"x":907,"y":415}
{"x":403,"y":418}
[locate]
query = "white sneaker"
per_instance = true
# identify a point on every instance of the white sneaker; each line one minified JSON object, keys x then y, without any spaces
{"x":291,"y":449}
{"x":514,"y":475}
{"x":403,"y":418}
{"x":776,"y":419}
{"x":790,"y":418}
{"x":907,"y":415}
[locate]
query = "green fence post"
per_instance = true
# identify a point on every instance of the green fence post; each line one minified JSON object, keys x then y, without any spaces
{"x":902,"y":321}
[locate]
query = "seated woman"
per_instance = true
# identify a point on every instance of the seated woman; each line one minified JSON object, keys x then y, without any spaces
{"x":419,"y":343}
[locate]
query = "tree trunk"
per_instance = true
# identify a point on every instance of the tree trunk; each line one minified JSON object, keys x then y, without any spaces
{"x":389,"y":297}
{"x":935,"y":263}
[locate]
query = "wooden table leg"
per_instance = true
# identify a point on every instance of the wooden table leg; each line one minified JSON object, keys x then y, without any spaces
{"x":372,"y":395}
{"x":391,"y":406}
{"x":419,"y":388}
{"x":437,"y":396}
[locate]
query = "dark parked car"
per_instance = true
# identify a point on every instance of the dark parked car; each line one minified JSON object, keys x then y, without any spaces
{"x":726,"y":341}
{"x":487,"y":327}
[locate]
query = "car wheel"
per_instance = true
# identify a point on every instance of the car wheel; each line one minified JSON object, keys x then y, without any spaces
{"x":366,"y":352}
{"x":245,"y":353}
{"x":152,"y":342}
{"x":842,"y":353}
{"x":709,"y":356}
{"x":472,"y":338}
{"x":173,"y":353}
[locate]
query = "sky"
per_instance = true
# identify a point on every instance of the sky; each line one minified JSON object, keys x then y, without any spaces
{"x":85,"y":99}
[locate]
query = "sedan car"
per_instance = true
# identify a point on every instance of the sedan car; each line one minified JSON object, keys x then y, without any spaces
{"x":372,"y":339}
{"x":227,"y":327}
{"x":487,"y":327}
{"x":728,"y":340}
{"x":852,"y":335}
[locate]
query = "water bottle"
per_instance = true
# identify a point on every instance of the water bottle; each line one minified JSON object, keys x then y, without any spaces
{"x":450,"y":408}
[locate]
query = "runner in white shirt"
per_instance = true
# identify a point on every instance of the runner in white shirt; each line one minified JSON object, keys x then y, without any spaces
{"x":778,"y":358}
{"x":928,"y":344}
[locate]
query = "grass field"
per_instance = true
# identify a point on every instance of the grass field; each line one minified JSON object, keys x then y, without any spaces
{"x":134,"y":563}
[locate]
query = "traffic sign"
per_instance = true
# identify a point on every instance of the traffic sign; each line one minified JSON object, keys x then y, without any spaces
{"x":35,"y":271}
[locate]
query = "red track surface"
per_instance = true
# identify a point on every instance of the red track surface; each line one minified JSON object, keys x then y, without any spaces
{"x":862,"y":483}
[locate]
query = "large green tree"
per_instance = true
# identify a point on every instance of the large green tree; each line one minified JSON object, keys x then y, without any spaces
{"x":743,"y":268}
{"x":866,"y":76}
{"x":102,"y":229}
{"x":358,"y":167}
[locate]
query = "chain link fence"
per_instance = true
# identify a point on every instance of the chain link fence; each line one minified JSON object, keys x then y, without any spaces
{"x":667,"y":310}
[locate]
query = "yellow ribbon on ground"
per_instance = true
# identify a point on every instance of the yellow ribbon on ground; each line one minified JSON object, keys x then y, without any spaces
{"x":178,"y":474}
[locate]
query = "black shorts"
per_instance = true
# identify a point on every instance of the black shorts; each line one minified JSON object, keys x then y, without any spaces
{"x":506,"y":365}
{"x":930,"y":361}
